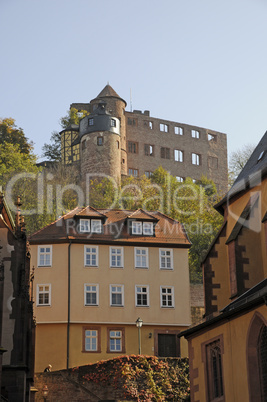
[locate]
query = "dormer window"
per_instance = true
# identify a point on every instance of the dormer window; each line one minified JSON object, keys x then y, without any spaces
{"x":136,"y":228}
{"x":148,"y":228}
{"x":90,"y":226}
{"x":96,"y":226}
{"x":142,"y":228}
{"x":85,"y":226}
{"x":113,"y":123}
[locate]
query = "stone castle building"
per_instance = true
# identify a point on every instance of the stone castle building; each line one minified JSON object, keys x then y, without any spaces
{"x":115,"y":142}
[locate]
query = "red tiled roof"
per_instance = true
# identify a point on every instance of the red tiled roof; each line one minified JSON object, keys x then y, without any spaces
{"x":142,"y":215}
{"x":167,"y":230}
{"x":90,"y":212}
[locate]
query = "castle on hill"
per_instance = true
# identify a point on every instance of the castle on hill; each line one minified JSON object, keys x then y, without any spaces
{"x":115,"y":142}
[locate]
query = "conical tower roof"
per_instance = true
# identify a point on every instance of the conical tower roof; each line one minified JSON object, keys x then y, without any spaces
{"x":108,"y":92}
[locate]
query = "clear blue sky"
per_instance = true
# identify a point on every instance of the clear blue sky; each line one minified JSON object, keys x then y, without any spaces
{"x":201,"y":62}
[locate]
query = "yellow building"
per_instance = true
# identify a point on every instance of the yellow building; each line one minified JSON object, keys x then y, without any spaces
{"x":96,"y":272}
{"x":228,"y":350}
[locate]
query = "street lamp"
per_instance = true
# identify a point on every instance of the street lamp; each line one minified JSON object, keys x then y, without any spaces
{"x":45,"y":392}
{"x":139,"y":324}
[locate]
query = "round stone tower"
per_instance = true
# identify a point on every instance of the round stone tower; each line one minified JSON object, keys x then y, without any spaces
{"x":115,"y":105}
{"x":100,"y":144}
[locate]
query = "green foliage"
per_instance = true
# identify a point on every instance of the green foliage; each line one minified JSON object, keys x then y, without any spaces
{"x":141,"y":378}
{"x":73,"y":117}
{"x":12,"y":161}
{"x":10,"y":134}
{"x":189,"y":203}
{"x":52,"y":151}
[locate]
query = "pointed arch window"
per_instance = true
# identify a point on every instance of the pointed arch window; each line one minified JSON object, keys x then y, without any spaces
{"x":215,"y":379}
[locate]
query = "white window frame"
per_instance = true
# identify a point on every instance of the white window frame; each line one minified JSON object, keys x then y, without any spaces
{"x":195,"y":159}
{"x":116,"y":254}
{"x":178,"y":130}
{"x":116,"y":291}
{"x":115,"y":336}
{"x":84,"y":225}
{"x":180,"y":179}
{"x":136,"y":249}
{"x":38,"y":292}
{"x":141,"y":293}
{"x":96,"y":226}
{"x":91,"y":253}
{"x":162,"y":292}
{"x":164,"y":127}
{"x":148,"y":229}
{"x":178,"y":155}
{"x":91,"y":336}
{"x":91,"y":292}
{"x":137,"y":227}
{"x":165,"y":258}
{"x":45,"y":246}
{"x":195,"y":134}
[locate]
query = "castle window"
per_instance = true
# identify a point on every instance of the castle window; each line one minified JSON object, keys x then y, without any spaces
{"x":133,"y":147}
{"x":149,"y":150}
{"x":212,"y":137}
{"x":100,"y":141}
{"x":133,"y":172}
{"x":83,"y":145}
{"x":164,"y":127}
{"x":195,"y":159}
{"x":178,"y":130}
{"x":132,"y":122}
{"x":195,"y":133}
{"x":178,"y":155}
{"x":148,"y":174}
{"x":148,"y":124}
{"x":91,"y":122}
{"x":213,"y":162}
{"x":165,"y":153}
{"x":179,"y":179}
{"x":113,"y":123}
